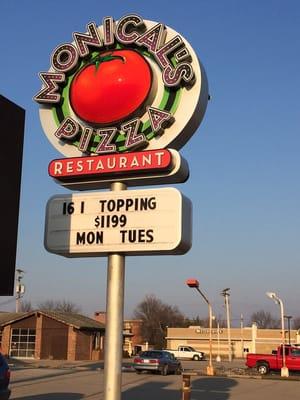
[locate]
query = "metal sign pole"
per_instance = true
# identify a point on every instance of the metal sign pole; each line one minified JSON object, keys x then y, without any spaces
{"x":114,"y":321}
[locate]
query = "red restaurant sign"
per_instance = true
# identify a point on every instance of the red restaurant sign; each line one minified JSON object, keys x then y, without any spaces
{"x":112,"y":164}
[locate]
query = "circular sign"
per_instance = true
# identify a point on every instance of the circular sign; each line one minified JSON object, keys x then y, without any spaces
{"x":123,"y":86}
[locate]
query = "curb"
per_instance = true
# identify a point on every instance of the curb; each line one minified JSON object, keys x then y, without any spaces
{"x":244,"y":376}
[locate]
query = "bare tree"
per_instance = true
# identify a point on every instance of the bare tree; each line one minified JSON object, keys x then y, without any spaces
{"x":25,"y":306}
{"x":265,"y":319}
{"x":204,"y":322}
{"x":157,"y":316}
{"x":296,"y":322}
{"x":59,"y":305}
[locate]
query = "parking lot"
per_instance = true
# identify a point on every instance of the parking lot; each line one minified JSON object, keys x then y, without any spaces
{"x":86,"y":382}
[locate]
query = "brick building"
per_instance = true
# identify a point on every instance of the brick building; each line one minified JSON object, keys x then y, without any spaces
{"x":51,"y":335}
{"x":132,"y":333}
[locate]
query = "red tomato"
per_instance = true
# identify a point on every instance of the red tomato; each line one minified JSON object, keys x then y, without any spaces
{"x":111,"y":88}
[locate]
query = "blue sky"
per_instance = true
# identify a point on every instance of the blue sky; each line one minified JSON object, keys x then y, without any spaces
{"x":244,"y":158}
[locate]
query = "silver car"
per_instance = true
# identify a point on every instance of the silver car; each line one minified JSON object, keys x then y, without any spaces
{"x":157,"y":361}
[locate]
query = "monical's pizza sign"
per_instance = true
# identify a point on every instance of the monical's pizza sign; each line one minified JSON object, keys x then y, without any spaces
{"x":126,"y":85}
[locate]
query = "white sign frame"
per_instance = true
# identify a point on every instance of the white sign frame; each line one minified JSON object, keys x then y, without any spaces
{"x":148,"y":221}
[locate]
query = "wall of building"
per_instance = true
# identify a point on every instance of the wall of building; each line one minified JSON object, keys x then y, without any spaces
{"x":54,"y":339}
{"x":248,"y":339}
{"x":83,"y":345}
{"x":133,"y":340}
{"x":100,"y":316}
{"x":27,"y":323}
{"x":136,"y":330}
{"x":5,"y":340}
{"x":132,"y":329}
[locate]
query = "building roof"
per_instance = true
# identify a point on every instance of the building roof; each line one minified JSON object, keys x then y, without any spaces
{"x":9,"y":316}
{"x":78,"y":321}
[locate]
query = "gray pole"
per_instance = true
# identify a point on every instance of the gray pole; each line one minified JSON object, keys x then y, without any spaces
{"x":284,"y":370}
{"x":19,"y":288}
{"x":226,"y":297}
{"x":228,"y":327}
{"x":242,"y":335}
{"x":17,"y":303}
{"x":210,"y":369}
{"x":114,"y":321}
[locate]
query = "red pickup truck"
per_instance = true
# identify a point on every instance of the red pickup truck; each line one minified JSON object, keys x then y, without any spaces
{"x":264,"y":363}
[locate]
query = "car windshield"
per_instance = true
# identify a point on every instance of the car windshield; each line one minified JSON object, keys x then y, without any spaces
{"x":151,"y":354}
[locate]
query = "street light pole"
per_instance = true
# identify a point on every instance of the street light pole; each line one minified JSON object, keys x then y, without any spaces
{"x":226,"y":297}
{"x":194,"y":283}
{"x":284,"y":370}
{"x":289,"y":317}
{"x":218,"y":358}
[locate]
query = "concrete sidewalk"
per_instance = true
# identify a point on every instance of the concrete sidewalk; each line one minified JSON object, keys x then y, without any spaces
{"x":61,"y":364}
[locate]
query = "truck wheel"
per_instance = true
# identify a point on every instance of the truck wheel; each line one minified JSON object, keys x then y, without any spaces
{"x":262,"y":368}
{"x":196,"y":358}
{"x":164,"y":370}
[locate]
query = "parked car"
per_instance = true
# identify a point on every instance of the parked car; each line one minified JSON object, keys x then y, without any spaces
{"x":264,"y":363}
{"x":157,"y":361}
{"x":4,"y":379}
{"x":187,"y":353}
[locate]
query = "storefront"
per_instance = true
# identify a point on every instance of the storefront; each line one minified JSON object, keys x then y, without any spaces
{"x":242,"y":340}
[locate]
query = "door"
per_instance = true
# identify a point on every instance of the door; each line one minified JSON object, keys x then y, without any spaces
{"x":22,"y":343}
{"x":293,"y":360}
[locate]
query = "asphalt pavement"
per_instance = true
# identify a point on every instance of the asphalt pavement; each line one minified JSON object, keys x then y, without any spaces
{"x":235,"y":368}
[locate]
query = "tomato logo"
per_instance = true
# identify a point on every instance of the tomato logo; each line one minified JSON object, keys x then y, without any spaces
{"x":112,"y":87}
{"x":126,"y":85}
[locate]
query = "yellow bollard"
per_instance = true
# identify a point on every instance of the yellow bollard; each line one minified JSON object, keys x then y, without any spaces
{"x":186,"y":386}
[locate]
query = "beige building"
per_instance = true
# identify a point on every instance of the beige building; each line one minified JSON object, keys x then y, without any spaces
{"x":243,"y":340}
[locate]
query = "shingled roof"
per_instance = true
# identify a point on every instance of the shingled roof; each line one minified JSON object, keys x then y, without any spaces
{"x":8,"y":317}
{"x":78,"y":321}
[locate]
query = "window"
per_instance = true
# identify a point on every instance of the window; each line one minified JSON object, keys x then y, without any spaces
{"x":286,"y":351}
{"x":295,"y":352}
{"x":97,"y":341}
{"x":22,"y":343}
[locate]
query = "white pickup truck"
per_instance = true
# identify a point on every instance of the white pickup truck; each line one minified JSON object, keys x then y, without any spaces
{"x":187,"y":353}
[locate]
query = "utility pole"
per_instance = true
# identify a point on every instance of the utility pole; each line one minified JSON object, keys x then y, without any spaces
{"x":20,"y":288}
{"x":226,"y":297}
